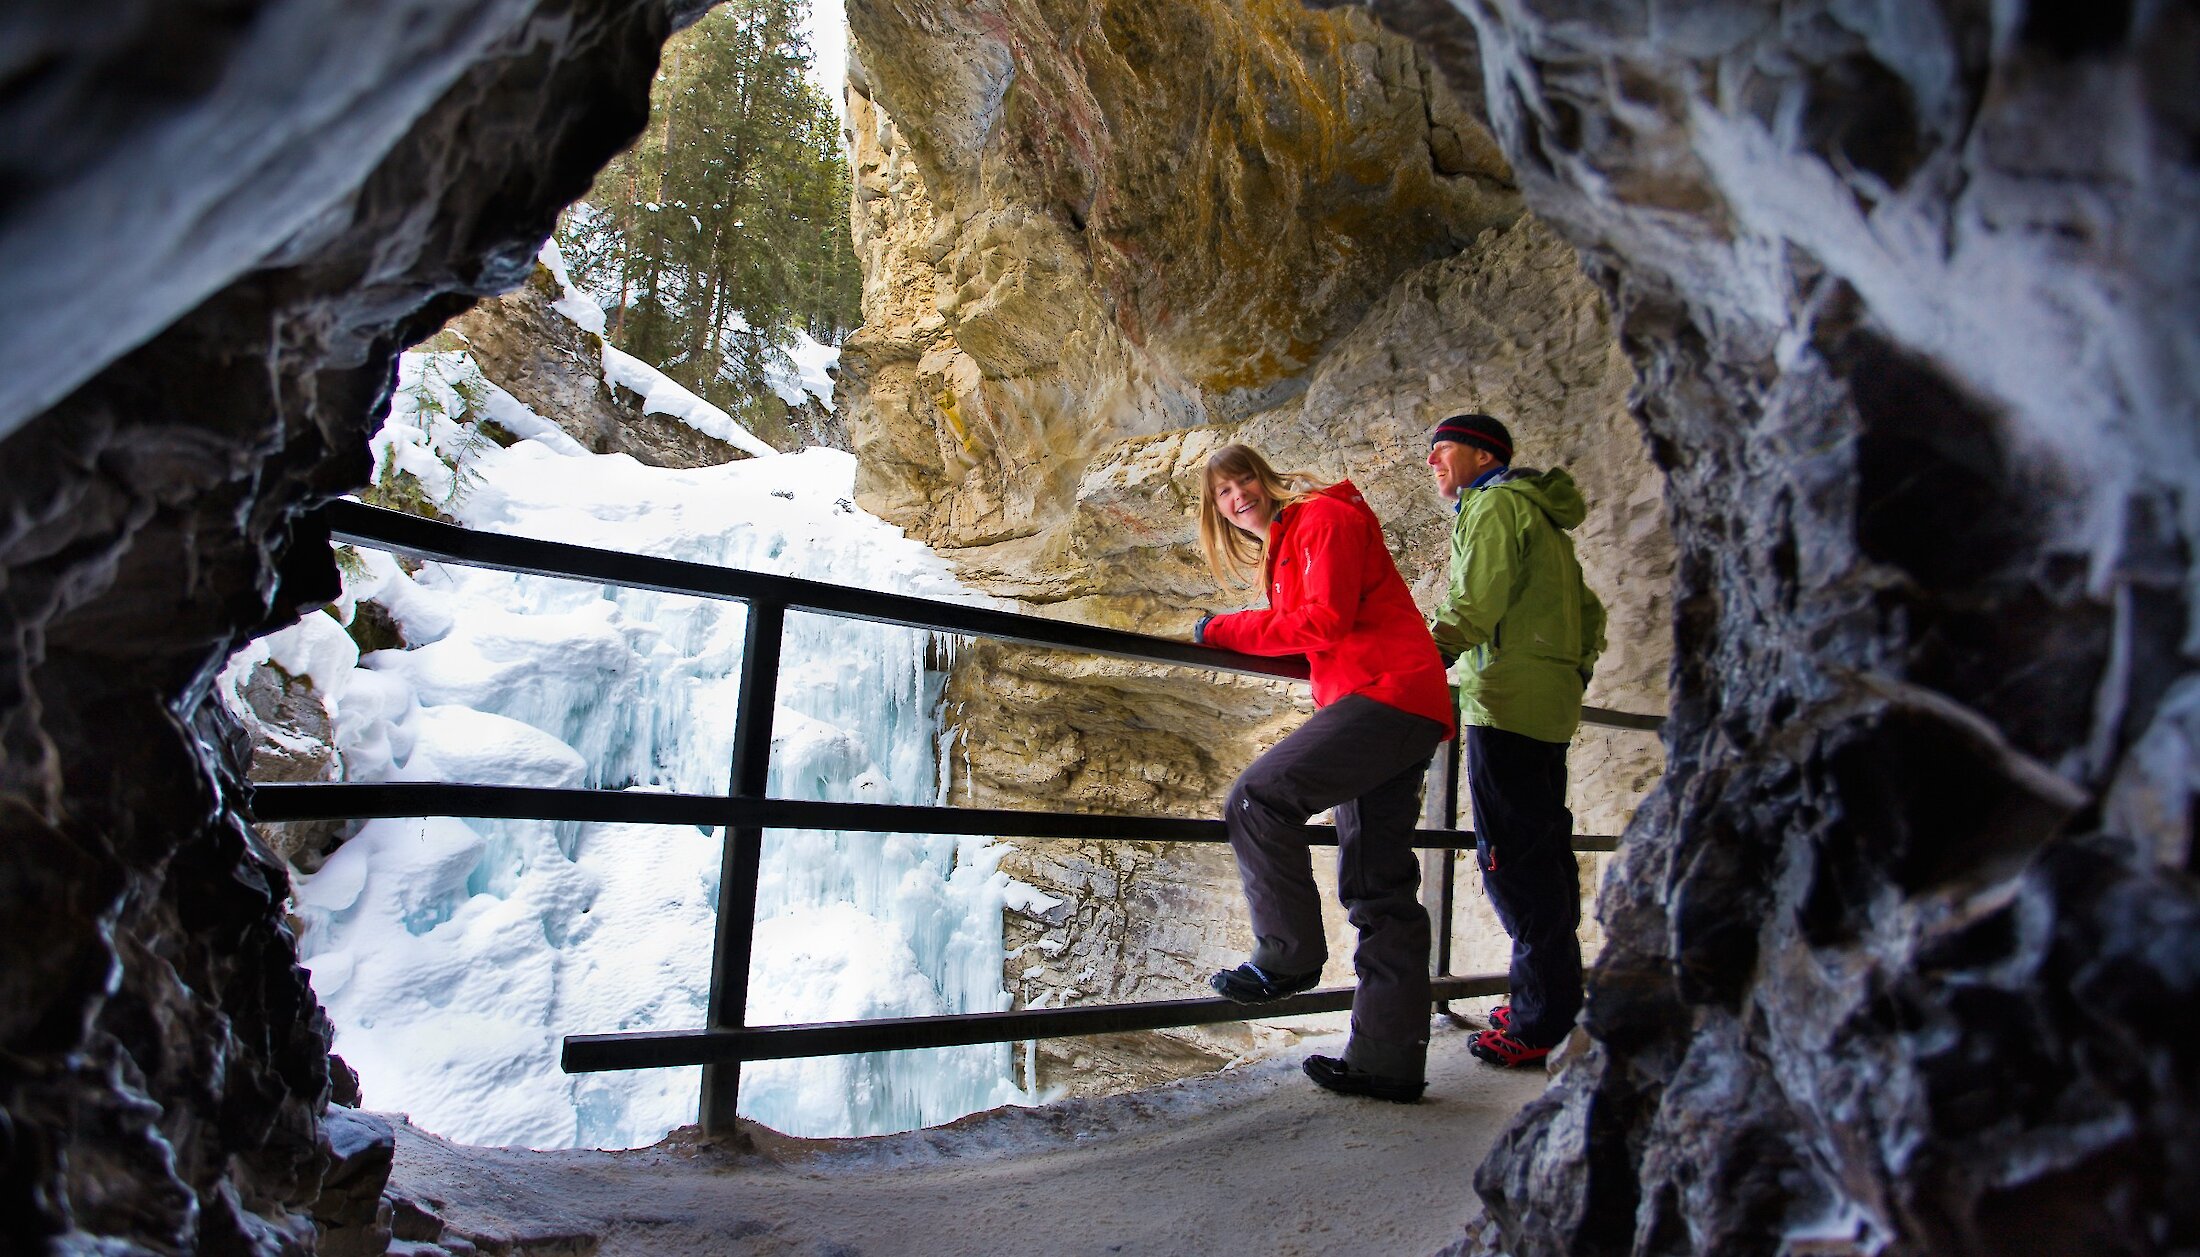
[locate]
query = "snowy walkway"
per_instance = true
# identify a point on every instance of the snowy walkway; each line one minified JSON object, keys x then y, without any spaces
{"x":1254,"y":1161}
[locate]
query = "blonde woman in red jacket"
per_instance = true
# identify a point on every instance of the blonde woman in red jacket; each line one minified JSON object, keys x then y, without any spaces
{"x":1384,"y":706}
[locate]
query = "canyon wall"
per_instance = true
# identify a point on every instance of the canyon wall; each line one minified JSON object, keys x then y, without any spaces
{"x":1903,"y":945}
{"x":1093,"y":253}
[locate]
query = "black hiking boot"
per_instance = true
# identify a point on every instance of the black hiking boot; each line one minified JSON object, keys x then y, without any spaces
{"x":1248,"y":984}
{"x":1341,"y":1078}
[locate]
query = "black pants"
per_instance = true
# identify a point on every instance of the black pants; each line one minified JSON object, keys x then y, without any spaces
{"x":1523,"y":837}
{"x":1367,"y":760}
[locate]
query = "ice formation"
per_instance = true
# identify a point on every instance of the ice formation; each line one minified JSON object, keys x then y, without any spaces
{"x":453,"y":955}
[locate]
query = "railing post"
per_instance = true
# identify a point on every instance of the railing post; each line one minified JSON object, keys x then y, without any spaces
{"x":1440,"y":810}
{"x":744,"y":848}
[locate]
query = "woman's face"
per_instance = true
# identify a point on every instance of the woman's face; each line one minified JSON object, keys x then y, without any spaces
{"x":1243,"y":502}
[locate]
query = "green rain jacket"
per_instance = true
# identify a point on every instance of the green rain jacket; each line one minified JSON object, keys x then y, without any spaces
{"x":1526,"y":628}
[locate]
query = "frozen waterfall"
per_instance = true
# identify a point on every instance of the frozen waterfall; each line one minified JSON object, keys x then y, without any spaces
{"x":453,"y":955}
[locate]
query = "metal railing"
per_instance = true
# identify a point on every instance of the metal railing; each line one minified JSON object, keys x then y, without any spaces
{"x":744,"y":813}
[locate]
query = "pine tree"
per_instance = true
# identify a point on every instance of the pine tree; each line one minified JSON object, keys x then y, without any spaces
{"x":726,"y":225}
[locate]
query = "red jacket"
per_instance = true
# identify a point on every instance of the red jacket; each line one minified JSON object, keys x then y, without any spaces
{"x":1335,"y":596}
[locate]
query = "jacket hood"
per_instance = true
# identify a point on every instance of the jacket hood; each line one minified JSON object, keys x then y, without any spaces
{"x":1346,"y":494}
{"x":1552,"y":491}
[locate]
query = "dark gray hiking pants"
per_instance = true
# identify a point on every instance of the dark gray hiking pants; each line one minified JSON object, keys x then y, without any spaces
{"x":1366,"y":760}
{"x":1524,"y":841}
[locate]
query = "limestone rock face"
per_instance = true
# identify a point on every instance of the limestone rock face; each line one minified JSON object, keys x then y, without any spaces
{"x":1150,"y":219}
{"x":223,"y":224}
{"x":1096,"y":253}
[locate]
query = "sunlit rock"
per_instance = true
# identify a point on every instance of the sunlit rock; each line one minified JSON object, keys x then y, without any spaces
{"x":1093,"y":263}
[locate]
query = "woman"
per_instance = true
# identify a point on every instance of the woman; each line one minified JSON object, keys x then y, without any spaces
{"x":1384,"y":706}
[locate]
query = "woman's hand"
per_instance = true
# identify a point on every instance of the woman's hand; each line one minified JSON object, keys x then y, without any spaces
{"x":1199,"y":630}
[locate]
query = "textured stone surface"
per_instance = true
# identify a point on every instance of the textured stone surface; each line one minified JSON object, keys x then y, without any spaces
{"x":1910,"y":292}
{"x":293,"y":738}
{"x":555,"y":369}
{"x":1063,"y":469}
{"x":324,"y":184}
{"x":1154,"y":216}
{"x":350,"y":1211}
{"x":1902,"y":947}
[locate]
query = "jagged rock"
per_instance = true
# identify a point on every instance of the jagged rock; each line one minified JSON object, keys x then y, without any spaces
{"x":355,"y":1220}
{"x":659,"y":441}
{"x":543,"y":359}
{"x":1153,"y":219}
{"x":343,"y":1082}
{"x":555,"y":368}
{"x":295,"y":741}
{"x":219,"y":265}
{"x":1890,"y":284}
{"x":1902,"y":946}
{"x":813,"y":424}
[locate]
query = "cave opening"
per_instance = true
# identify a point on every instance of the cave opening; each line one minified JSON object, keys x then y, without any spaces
{"x":1899,"y":950}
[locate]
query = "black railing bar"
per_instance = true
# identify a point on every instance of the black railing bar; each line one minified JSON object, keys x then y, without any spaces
{"x":658,"y":1049}
{"x":366,"y":801}
{"x":360,"y":524}
{"x":741,"y":857}
{"x":1611,"y":719}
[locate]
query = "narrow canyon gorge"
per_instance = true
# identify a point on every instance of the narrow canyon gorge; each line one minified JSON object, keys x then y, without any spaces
{"x":1871,"y":331}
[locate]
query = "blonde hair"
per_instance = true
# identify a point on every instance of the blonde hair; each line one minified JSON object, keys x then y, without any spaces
{"x":1233,"y":554}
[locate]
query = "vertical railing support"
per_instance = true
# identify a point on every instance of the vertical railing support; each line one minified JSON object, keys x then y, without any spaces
{"x":1440,"y":810}
{"x":744,"y":848}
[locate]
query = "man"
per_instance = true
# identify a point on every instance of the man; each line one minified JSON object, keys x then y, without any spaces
{"x":1529,"y":633}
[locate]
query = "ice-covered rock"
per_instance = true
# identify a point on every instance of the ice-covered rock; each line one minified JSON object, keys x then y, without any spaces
{"x":525,"y":681}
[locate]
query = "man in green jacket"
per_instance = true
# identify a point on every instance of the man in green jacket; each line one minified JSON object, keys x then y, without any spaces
{"x":1526,"y":632}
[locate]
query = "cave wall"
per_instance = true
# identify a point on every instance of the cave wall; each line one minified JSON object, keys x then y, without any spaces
{"x":223,"y":224}
{"x":1903,"y":945}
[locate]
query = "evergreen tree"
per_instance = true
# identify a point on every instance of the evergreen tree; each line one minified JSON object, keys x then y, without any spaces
{"x":726,"y":225}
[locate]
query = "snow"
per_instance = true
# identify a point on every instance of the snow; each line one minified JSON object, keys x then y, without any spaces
{"x":316,"y":647}
{"x":663,"y":396}
{"x":454,"y":955}
{"x":574,"y":304}
{"x":809,"y":377}
{"x":1029,"y":900}
{"x":452,"y":743}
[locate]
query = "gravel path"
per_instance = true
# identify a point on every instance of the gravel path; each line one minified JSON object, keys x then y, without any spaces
{"x":1256,"y":1160}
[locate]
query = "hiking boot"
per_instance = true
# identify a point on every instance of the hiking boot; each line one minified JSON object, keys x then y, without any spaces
{"x":1335,"y":1075}
{"x":1504,"y":1051}
{"x":1501,"y":1018}
{"x":1250,"y":984}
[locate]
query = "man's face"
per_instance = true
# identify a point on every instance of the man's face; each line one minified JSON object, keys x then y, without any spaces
{"x":1456,"y":464}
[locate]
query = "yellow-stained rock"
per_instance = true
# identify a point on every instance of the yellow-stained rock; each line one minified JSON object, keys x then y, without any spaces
{"x":1100,"y":244}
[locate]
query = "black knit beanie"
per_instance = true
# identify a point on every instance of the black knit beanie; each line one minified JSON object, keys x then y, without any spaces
{"x":1480,"y":431}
